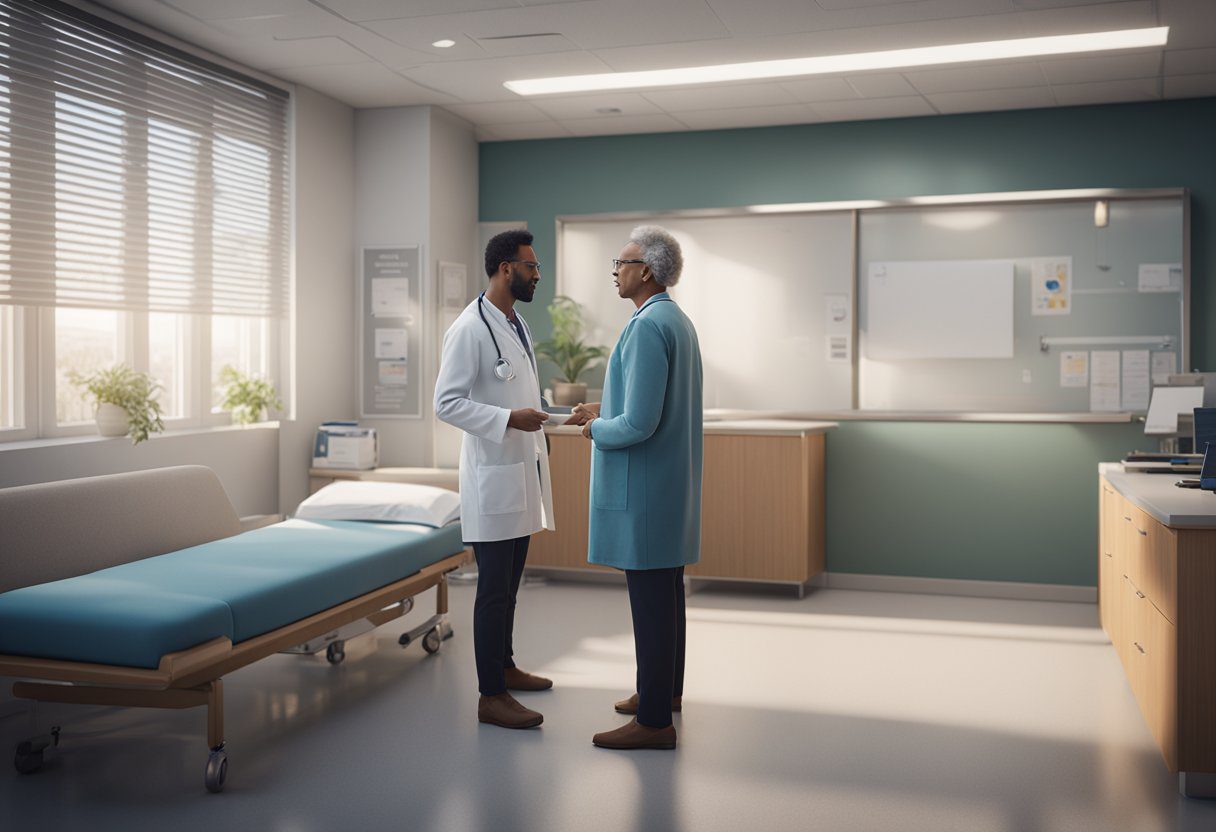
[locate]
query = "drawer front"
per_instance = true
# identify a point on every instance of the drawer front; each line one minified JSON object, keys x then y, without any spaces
{"x":1153,"y":657}
{"x":1154,"y":561}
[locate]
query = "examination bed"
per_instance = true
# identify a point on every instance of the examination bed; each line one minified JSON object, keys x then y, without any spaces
{"x":140,"y":590}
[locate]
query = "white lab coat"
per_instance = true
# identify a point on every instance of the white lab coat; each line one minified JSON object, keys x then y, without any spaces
{"x":505,"y":490}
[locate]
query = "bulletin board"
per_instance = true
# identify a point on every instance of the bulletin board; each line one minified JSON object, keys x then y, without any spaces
{"x":391,"y":303}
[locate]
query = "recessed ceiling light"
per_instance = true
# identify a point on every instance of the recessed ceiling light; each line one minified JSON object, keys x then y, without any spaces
{"x":444,"y":44}
{"x":993,"y":50}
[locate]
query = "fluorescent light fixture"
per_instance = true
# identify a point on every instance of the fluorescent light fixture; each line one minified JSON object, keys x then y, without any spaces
{"x":444,"y":44}
{"x":993,"y":50}
{"x":1101,"y":213}
{"x":803,"y":207}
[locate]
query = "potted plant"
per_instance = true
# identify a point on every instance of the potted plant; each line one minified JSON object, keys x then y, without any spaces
{"x":126,"y":401}
{"x":568,"y":352}
{"x":247,"y":396}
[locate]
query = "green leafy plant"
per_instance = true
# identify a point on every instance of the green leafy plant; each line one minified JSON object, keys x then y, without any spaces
{"x":246,"y":395}
{"x":566,"y":348}
{"x":136,"y":393}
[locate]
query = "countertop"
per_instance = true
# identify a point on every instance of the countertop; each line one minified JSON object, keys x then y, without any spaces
{"x":1156,"y":495}
{"x":737,"y":427}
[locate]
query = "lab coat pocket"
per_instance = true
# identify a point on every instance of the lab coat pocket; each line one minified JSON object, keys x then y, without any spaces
{"x":610,"y":480}
{"x":501,"y":489}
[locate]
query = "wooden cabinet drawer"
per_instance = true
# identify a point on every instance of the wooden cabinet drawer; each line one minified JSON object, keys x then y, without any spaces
{"x":1153,"y":563}
{"x":1152,"y":666}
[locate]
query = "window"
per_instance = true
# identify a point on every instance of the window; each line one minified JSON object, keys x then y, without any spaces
{"x":143,"y":218}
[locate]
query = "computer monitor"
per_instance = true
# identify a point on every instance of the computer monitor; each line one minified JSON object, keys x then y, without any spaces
{"x":1207,"y":473}
{"x":1205,"y":428}
{"x":1166,"y":404}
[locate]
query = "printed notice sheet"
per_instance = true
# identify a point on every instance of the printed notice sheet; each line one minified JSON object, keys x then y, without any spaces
{"x":390,"y":297}
{"x":1051,"y":285}
{"x":392,"y":343}
{"x":393,"y":373}
{"x":1160,"y":277}
{"x":1074,"y":369}
{"x":1104,"y":380}
{"x":1164,"y":363}
{"x":1135,"y":380}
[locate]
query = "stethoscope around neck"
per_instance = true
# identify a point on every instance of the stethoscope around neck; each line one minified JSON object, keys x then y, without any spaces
{"x":503,"y":371}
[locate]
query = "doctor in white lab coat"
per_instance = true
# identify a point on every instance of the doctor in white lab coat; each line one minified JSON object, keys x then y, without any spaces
{"x":488,"y":387}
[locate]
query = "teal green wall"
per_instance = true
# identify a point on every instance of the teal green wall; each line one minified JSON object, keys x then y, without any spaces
{"x":995,"y":502}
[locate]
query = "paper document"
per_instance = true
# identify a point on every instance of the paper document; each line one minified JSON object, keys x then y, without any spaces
{"x":1135,"y":380}
{"x":390,"y":297}
{"x":394,"y":373}
{"x":1074,"y":369}
{"x":1167,"y":403}
{"x":452,"y":279}
{"x":392,"y":343}
{"x":1051,"y":286}
{"x":1104,"y":380}
{"x":1164,"y":365}
{"x":1160,"y":277}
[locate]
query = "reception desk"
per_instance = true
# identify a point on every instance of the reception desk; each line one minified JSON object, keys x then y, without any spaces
{"x":1156,"y":585}
{"x":762,"y":502}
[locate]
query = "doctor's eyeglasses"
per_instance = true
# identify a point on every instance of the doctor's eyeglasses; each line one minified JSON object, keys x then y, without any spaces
{"x":531,"y":264}
{"x":616,"y":264}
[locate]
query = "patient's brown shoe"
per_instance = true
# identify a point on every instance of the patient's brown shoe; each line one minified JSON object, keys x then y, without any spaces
{"x":522,"y":680}
{"x":634,"y":736}
{"x":504,"y":711}
{"x":630,"y":705}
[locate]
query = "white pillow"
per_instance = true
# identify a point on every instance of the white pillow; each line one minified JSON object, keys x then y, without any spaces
{"x":392,"y":502}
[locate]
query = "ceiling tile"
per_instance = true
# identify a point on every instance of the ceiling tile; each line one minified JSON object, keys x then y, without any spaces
{"x":1190,"y":86}
{"x":986,"y":100}
{"x":366,"y":84}
{"x":713,"y":96}
{"x":820,"y":89}
{"x":869,"y":108}
{"x":500,"y":112}
{"x":659,"y":123}
{"x":1100,"y":17}
{"x":977,"y":77}
{"x":1189,"y":61}
{"x":881,"y":85}
{"x":225,"y":9}
{"x":275,"y":55}
{"x":1192,"y":22}
{"x":747,"y":117}
{"x":1089,"y":68}
{"x":782,"y":16}
{"x":362,"y":10}
{"x":585,"y":106}
{"x":1107,"y":92}
{"x":515,"y":132}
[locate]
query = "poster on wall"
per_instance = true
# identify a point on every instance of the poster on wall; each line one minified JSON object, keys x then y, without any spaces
{"x":1051,"y":285}
{"x":390,"y":337}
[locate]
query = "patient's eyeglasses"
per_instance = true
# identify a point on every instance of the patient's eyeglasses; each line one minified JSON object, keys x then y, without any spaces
{"x":616,"y":264}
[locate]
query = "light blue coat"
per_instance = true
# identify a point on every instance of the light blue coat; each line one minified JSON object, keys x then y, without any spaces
{"x":646,"y":457}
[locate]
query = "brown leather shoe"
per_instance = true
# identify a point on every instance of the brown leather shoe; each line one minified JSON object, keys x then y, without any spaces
{"x":522,"y":680}
{"x":630,"y":705}
{"x":634,"y":736}
{"x":504,"y":711}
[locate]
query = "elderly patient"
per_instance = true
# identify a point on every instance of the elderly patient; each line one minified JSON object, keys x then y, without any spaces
{"x":646,"y":478}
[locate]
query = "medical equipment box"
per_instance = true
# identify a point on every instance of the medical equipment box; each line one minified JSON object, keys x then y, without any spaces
{"x":345,"y":445}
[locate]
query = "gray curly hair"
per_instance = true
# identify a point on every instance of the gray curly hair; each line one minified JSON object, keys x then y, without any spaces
{"x":661,"y":253}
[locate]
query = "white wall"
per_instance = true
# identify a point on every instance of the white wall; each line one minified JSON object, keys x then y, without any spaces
{"x":323,"y":332}
{"x":416,"y":183}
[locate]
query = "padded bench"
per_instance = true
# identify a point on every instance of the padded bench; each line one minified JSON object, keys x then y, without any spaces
{"x":140,"y":590}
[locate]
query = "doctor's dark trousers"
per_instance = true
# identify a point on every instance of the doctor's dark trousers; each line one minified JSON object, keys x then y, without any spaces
{"x":656,"y":597}
{"x":500,"y":565}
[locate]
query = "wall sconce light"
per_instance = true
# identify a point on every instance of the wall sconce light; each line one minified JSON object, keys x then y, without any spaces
{"x":1101,"y":213}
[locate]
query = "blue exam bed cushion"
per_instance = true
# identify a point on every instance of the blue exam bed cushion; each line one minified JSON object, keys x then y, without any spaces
{"x":239,"y":587}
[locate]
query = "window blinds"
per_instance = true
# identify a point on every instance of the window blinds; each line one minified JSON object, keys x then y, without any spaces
{"x":134,"y":176}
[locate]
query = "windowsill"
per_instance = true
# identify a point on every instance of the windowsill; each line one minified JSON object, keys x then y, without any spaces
{"x":51,"y":442}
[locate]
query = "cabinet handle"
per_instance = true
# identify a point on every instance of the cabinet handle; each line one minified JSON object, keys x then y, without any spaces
{"x":1128,"y":519}
{"x":1143,"y":533}
{"x":1138,"y":647}
{"x":1139,"y":594}
{"x":1108,"y":554}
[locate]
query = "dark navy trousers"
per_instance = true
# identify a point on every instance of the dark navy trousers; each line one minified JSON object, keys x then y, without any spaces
{"x":500,"y":566}
{"x":656,"y":597}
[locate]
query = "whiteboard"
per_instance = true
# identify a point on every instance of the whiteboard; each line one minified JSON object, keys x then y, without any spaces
{"x":764,"y":293}
{"x":939,"y":309}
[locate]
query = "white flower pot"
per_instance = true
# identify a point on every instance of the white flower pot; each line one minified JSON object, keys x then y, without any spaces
{"x":112,"y":420}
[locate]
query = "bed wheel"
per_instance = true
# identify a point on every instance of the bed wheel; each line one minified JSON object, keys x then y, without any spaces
{"x":335,"y":652}
{"x":433,"y":640}
{"x":404,"y":640}
{"x":28,"y":757}
{"x":217,"y":770}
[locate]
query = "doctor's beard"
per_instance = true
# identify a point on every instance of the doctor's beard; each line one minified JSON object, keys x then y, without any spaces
{"x":522,"y":288}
